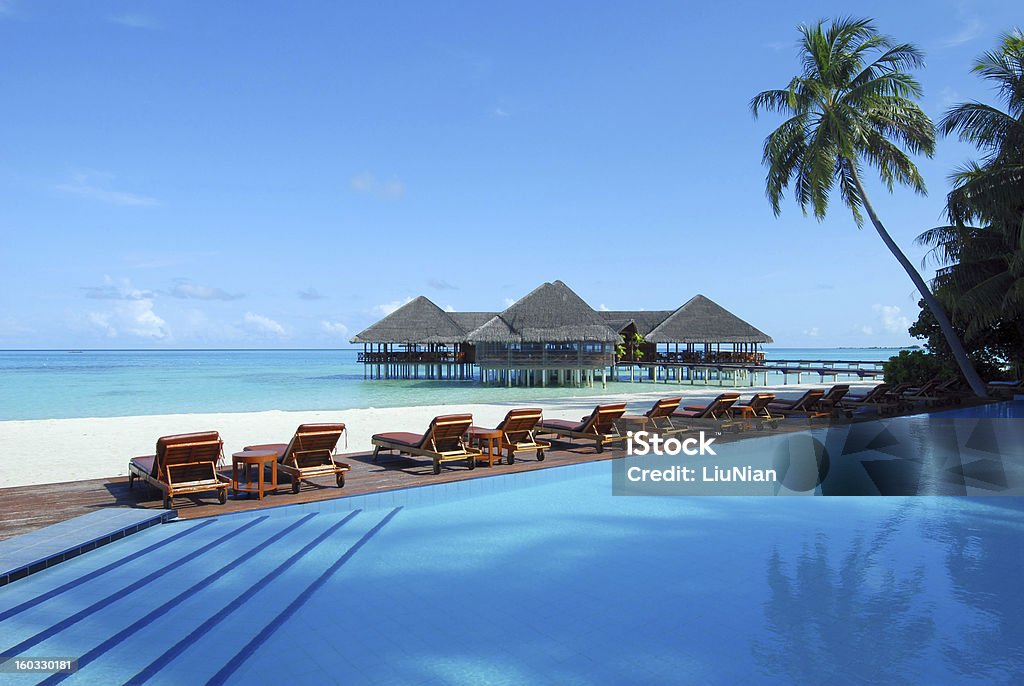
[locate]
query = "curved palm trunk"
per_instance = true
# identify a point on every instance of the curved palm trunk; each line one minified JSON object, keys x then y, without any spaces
{"x":957,"y":348}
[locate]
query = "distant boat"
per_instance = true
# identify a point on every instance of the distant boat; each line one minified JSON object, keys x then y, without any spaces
{"x":74,"y":352}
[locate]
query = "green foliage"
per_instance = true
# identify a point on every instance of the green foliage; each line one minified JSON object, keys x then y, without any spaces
{"x":852,"y":103}
{"x":981,"y":250}
{"x":915,"y":367}
{"x":992,"y":351}
{"x":630,"y":347}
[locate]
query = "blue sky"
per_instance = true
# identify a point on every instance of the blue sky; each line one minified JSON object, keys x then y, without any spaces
{"x":249,"y":174}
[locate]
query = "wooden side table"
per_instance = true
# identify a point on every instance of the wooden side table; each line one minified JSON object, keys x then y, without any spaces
{"x":489,"y":442}
{"x":244,"y":462}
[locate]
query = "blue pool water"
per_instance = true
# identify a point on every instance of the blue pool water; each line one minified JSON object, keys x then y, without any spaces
{"x":110,"y":383}
{"x":544,"y":577}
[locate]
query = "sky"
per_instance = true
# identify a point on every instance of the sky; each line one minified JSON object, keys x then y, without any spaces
{"x":184,"y":174}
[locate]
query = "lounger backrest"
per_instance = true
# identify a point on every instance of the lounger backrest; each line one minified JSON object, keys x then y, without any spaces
{"x":446,"y":432}
{"x":664,"y":408}
{"x":519,"y":424}
{"x":312,"y":441}
{"x":720,"y":405}
{"x":201,"y":449}
{"x":836,"y":393}
{"x":760,"y":401}
{"x":602,"y":419}
{"x":877,"y":392}
{"x":809,"y":400}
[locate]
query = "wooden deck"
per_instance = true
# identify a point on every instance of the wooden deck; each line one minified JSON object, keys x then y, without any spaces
{"x":25,"y":508}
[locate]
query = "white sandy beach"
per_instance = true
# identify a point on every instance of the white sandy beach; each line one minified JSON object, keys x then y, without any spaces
{"x":55,"y":450}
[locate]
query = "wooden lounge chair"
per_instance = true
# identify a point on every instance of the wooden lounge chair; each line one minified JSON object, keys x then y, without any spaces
{"x":443,"y":441}
{"x":879,"y":398}
{"x":599,"y":426}
{"x":309,"y":454}
{"x":1005,"y":389}
{"x":659,"y":417}
{"x":718,"y":412}
{"x":943,"y":393}
{"x":921,"y":393}
{"x":830,"y":402}
{"x":805,"y":406}
{"x":517,"y":433}
{"x":757,"y":410}
{"x":184,"y":463}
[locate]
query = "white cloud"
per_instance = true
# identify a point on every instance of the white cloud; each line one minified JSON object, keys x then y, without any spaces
{"x":892,"y":319}
{"x":135,"y":21}
{"x":263,"y":325}
{"x":602,"y":308}
{"x":334,"y":328}
{"x":812,"y":332}
{"x":867,"y":330}
{"x":500,"y":111}
{"x":509,"y":302}
{"x":131,"y":317}
{"x":196,"y":292}
{"x":116,"y":289}
{"x":366,"y":183}
{"x":384,"y":309}
{"x":93,"y":186}
{"x":971,"y":29}
{"x":449,"y":308}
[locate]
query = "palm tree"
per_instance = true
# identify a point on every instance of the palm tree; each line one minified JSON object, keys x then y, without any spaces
{"x":853,"y":103}
{"x":983,"y":245}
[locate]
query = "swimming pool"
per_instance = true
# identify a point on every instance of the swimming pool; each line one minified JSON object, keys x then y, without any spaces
{"x":542,"y":577}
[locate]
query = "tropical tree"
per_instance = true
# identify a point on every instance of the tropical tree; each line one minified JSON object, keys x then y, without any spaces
{"x":982,"y":247}
{"x":853,"y":104}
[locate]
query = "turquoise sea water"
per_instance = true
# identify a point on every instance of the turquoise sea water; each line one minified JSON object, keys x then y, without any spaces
{"x":110,"y":383}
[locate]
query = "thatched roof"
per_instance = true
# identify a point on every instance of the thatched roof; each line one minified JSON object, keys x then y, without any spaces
{"x":644,"y":320}
{"x":468,"y":321}
{"x":550,"y":313}
{"x":702,"y":320}
{"x":418,"y":321}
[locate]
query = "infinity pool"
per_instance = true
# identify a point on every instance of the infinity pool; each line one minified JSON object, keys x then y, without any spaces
{"x":543,"y":577}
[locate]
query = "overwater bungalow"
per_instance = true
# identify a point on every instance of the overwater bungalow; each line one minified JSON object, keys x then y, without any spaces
{"x":418,"y":340}
{"x":551,"y":336}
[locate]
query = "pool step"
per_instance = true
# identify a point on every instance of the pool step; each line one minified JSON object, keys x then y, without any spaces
{"x":37,"y":550}
{"x":199,"y":615}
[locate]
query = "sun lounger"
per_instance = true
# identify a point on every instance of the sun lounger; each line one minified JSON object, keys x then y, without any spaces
{"x":599,"y":426}
{"x":309,"y":454}
{"x":659,"y":417}
{"x":443,"y":441}
{"x":517,"y":433}
{"x":805,"y":406}
{"x":185,"y":463}
{"x":1005,"y":389}
{"x":757,"y":410}
{"x":717,"y":412}
{"x":830,"y":401}
{"x":944,"y":393}
{"x":879,"y":398}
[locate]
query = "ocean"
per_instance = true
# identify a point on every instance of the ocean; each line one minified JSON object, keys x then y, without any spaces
{"x":55,"y":384}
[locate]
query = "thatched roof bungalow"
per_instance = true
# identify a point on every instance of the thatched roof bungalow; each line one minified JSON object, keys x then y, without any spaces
{"x":417,"y":336}
{"x":551,"y":334}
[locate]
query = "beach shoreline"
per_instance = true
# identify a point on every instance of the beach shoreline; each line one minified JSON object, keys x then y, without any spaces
{"x":37,"y":451}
